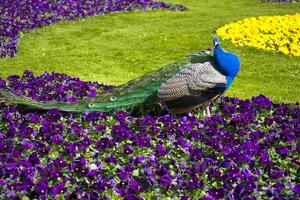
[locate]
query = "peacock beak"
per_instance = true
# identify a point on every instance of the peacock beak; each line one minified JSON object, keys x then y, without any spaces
{"x":216,"y":40}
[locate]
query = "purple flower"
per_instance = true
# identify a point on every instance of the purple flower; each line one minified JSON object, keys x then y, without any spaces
{"x":207,"y":198}
{"x":71,"y":148}
{"x":81,"y":160}
{"x":276,"y":173}
{"x":298,"y":148}
{"x":184,"y":197}
{"x":90,"y":116}
{"x":2,"y":83}
{"x":55,"y":173}
{"x":196,"y":153}
{"x":120,"y":133}
{"x":262,"y":102}
{"x":139,"y":159}
{"x":160,"y":150}
{"x":238,"y":190}
{"x":57,"y":139}
{"x":34,"y":118}
{"x":76,"y":129}
{"x":103,"y":143}
{"x":121,"y":115}
{"x":142,"y":140}
{"x":72,"y":99}
{"x":195,"y":183}
{"x":60,"y":162}
{"x":58,"y":188}
{"x":183,"y":143}
{"x":296,"y":189}
{"x":127,"y":149}
{"x":217,"y":193}
{"x":290,"y":136}
{"x":54,"y":114}
{"x":265,"y":159}
{"x":42,"y":186}
{"x":135,"y":185}
{"x":123,"y":174}
{"x":92,"y":93}
{"x":165,"y":180}
{"x":33,"y":159}
{"x":250,"y":186}
{"x":84,"y":143}
{"x":279,"y":186}
{"x":100,"y":128}
{"x":111,"y":159}
{"x":214,"y":173}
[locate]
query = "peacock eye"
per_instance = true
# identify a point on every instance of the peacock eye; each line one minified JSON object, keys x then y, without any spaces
{"x":113,"y":98}
{"x":91,"y":105}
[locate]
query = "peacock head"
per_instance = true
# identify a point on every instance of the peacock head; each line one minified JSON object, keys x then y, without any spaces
{"x":216,"y":40}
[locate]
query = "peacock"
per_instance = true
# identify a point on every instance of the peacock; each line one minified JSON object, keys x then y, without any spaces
{"x":180,"y":87}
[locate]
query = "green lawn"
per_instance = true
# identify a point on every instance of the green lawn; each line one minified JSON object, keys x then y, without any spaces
{"x":118,"y":47}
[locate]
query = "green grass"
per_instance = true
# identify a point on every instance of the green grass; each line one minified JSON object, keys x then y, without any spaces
{"x":119,"y":47}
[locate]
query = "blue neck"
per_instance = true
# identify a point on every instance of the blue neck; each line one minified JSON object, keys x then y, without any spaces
{"x":227,"y":63}
{"x":218,"y":49}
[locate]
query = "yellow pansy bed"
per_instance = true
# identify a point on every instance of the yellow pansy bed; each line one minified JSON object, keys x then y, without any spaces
{"x":276,"y":33}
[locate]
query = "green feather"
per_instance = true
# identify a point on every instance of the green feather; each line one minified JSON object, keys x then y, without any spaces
{"x":138,"y":92}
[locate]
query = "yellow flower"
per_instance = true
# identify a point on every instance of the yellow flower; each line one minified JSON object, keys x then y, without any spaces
{"x":272,"y":33}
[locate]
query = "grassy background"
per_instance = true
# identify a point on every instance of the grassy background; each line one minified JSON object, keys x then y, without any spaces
{"x":119,"y":47}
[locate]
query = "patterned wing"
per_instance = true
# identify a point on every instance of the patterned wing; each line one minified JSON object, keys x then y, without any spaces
{"x":192,"y":86}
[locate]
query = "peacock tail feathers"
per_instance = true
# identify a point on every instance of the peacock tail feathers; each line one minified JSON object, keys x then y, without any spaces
{"x":140,"y":92}
{"x":9,"y":97}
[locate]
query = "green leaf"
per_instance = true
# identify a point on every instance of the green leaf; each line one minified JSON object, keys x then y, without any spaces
{"x":25,"y":198}
{"x":135,"y":172}
{"x":54,"y":154}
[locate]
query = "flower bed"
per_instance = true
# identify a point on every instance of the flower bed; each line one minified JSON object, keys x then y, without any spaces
{"x":246,"y":149}
{"x":272,"y":33}
{"x":23,"y":15}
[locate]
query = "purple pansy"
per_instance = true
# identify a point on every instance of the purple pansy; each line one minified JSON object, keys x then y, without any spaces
{"x":160,"y":150}
{"x":276,"y":173}
{"x":2,"y":83}
{"x":58,"y":188}
{"x":217,"y":193}
{"x":60,"y":162}
{"x":135,"y":185}
{"x":265,"y":159}
{"x":165,"y":180}
{"x":42,"y":186}
{"x":296,"y":189}
{"x":103,"y":143}
{"x":127,"y":149}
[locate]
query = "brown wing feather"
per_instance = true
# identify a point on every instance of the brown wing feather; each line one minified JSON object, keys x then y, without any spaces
{"x":192,"y":87}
